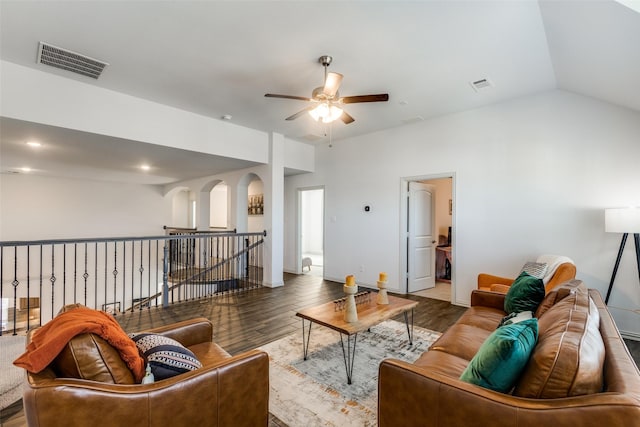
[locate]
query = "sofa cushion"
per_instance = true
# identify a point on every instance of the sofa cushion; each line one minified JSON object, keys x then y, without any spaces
{"x":462,"y":340}
{"x":569,"y":358}
{"x":89,"y":357}
{"x":166,"y":356}
{"x":442,"y":363}
{"x":558,"y":293}
{"x":503,"y":355}
{"x":482,"y":317}
{"x":525,"y":294}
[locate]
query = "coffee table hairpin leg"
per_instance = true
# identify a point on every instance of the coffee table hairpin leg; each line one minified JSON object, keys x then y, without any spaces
{"x":350,"y":355}
{"x":305,"y":339}
{"x":406,"y":322}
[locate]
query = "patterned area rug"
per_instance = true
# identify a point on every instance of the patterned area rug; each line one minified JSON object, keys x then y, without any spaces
{"x":314,"y":392}
{"x":11,"y":377}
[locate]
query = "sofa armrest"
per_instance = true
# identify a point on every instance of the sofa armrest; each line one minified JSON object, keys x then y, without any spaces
{"x":486,"y":280}
{"x":409,"y":396}
{"x":487,"y":299}
{"x":188,"y":332}
{"x":564,"y":273}
{"x":233,"y":392}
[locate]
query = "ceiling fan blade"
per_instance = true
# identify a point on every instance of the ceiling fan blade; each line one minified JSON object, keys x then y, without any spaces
{"x":346,"y":118}
{"x":300,"y":98}
{"x":365,"y":98}
{"x":300,"y":113}
{"x":332,"y":84}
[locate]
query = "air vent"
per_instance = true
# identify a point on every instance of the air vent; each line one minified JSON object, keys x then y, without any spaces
{"x":70,"y":61}
{"x":479,"y":85}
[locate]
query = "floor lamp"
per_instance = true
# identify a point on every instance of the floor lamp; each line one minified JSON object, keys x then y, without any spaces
{"x":626,"y":221}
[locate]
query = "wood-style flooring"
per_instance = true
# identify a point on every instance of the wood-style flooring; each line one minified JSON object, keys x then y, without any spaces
{"x":262,"y":315}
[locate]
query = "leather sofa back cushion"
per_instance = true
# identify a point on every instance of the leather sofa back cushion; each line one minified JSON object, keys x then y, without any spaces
{"x":558,"y":293}
{"x":89,"y":357}
{"x":569,"y":357}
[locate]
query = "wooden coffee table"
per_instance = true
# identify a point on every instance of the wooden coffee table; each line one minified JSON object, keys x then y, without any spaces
{"x":369,"y":314}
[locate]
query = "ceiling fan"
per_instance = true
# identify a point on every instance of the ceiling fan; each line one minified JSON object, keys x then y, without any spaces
{"x":326,"y":103}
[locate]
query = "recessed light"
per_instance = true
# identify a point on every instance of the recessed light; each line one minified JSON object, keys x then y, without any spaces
{"x":34,"y":144}
{"x":145,"y":167}
{"x":25,"y":169}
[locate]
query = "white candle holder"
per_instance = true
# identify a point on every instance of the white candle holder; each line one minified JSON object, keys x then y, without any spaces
{"x":382,"y":297}
{"x":350,"y":312}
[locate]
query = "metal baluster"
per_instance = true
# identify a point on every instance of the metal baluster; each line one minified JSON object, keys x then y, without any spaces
{"x":64,"y":274}
{"x":28,"y":287}
{"x":52,"y":279}
{"x":41,"y":300}
{"x":115,"y":276}
{"x":75,"y":271}
{"x":95,"y":276}
{"x":106,"y":245}
{"x":165,"y":281}
{"x":124,"y":275}
{"x":85,"y":276}
{"x":133,"y":261}
{"x":141,"y":269}
{"x":15,"y":284}
{"x":149,"y":275}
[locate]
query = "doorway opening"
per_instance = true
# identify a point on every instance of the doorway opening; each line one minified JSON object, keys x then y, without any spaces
{"x":311,"y":231}
{"x":427,"y":224}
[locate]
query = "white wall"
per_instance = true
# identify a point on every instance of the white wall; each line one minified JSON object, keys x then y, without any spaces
{"x":180,"y":210}
{"x":36,"y":207}
{"x":33,"y":95}
{"x":219,"y":206}
{"x":533,"y":176}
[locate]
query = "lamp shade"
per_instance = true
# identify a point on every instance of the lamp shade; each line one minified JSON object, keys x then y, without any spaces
{"x":624,"y":220}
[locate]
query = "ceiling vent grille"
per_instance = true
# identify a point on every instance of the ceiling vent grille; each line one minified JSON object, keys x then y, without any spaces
{"x":70,"y":61}
{"x":478,"y":85}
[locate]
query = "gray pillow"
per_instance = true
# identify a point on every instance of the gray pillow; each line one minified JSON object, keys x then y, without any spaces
{"x":535,"y":269}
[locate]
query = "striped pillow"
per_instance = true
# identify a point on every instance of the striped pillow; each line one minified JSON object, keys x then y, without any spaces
{"x":535,"y":269}
{"x":166,"y":356}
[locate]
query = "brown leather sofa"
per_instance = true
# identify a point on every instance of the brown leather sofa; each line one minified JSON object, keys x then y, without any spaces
{"x":226,"y":391}
{"x":579,"y":374}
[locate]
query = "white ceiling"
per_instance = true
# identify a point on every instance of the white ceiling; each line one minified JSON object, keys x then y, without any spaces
{"x":221,"y":57}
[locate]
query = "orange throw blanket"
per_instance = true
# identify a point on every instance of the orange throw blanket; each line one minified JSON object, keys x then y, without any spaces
{"x":48,"y":341}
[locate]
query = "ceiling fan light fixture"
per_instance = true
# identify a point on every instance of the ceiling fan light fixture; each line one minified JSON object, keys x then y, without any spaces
{"x":325,"y":112}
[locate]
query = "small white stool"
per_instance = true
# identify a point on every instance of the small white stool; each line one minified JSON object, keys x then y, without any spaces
{"x":306,"y":262}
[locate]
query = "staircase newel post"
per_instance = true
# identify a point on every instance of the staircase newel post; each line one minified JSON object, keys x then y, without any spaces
{"x":165,"y":276}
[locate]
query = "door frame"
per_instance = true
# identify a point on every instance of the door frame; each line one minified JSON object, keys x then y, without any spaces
{"x":299,"y":225}
{"x":404,"y":242}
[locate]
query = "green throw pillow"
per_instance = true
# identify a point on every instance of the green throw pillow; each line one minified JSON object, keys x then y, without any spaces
{"x":502,"y":357}
{"x":525,"y":294}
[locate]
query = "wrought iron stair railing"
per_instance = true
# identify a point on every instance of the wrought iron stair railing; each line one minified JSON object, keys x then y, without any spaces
{"x":123,"y":273}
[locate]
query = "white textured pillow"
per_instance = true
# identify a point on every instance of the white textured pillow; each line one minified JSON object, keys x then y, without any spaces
{"x":535,"y":269}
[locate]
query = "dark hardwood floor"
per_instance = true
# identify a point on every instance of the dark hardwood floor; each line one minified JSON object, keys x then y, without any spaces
{"x":259,"y":316}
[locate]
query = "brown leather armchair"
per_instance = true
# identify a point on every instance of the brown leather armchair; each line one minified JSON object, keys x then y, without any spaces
{"x":226,"y":391}
{"x":488,"y":282}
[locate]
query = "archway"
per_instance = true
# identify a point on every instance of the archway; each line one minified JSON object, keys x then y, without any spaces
{"x":251,"y":205}
{"x":218,"y":199}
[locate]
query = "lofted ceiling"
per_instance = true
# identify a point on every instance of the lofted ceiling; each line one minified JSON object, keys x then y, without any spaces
{"x":220,"y":57}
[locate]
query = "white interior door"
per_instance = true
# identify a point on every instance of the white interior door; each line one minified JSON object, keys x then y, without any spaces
{"x":421,"y":241}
